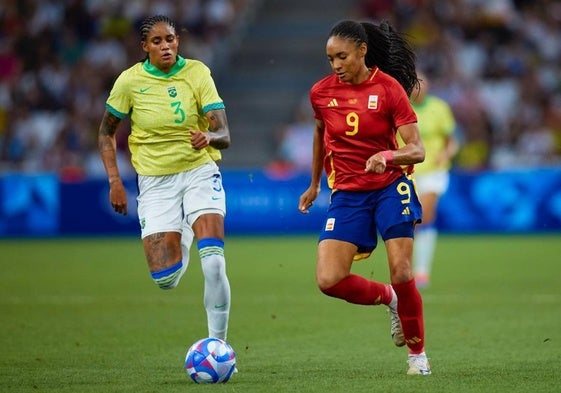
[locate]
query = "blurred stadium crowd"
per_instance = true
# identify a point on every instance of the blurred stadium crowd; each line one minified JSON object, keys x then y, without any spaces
{"x":497,"y":62}
{"x":58,"y":60}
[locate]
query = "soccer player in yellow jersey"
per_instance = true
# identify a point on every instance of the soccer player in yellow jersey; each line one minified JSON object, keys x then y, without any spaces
{"x":436,"y":125}
{"x":178,"y":125}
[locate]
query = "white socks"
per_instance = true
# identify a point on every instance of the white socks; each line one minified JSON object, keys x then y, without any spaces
{"x":423,"y":252}
{"x":217,"y":287}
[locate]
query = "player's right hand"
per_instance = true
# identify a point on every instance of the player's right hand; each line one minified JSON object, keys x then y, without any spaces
{"x":307,"y":200}
{"x":118,"y":197}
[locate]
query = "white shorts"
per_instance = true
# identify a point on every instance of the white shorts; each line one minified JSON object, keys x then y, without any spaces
{"x":166,"y":203}
{"x":433,"y":182}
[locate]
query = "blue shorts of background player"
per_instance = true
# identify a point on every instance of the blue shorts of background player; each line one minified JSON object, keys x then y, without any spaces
{"x":357,"y":216}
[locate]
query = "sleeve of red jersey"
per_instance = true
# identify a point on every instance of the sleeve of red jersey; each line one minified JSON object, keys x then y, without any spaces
{"x":403,"y":112}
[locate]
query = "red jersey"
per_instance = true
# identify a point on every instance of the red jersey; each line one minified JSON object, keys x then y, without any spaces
{"x":360,"y":120}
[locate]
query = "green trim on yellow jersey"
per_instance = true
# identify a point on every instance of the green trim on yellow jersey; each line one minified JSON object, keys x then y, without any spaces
{"x":213,"y":107}
{"x":163,"y":108}
{"x":153,"y":70}
{"x":115,"y":112}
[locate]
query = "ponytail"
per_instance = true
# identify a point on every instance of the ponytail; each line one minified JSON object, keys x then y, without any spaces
{"x":391,"y":52}
{"x":387,"y":49}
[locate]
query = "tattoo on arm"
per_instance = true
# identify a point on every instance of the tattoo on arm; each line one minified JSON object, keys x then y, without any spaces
{"x":109,"y":125}
{"x":108,"y":146}
{"x":218,"y":125}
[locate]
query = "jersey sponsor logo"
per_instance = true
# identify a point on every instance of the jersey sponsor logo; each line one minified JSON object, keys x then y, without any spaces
{"x":214,"y":198}
{"x":144,"y":89}
{"x":333,"y":102}
{"x":406,"y":211}
{"x":352,"y":101}
{"x":373,"y":101}
{"x":330,"y":224}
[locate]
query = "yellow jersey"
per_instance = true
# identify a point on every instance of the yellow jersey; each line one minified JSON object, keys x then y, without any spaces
{"x":436,"y":122}
{"x":162,"y":109}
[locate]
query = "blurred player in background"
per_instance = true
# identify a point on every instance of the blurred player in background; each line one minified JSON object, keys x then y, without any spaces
{"x":178,"y":126}
{"x":359,"y":109}
{"x":436,"y":125}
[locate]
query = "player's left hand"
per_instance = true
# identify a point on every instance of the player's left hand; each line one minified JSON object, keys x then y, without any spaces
{"x":199,"y":139}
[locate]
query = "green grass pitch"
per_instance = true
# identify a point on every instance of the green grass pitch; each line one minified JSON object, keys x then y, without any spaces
{"x":82,"y":315}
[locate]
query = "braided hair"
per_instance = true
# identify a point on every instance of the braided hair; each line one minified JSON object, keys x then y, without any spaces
{"x":149,"y":22}
{"x":387,"y":49}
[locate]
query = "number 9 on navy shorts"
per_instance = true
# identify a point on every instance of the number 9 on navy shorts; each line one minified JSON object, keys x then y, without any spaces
{"x":358,"y":216}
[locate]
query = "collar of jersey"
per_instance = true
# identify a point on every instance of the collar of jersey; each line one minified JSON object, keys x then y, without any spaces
{"x":155,"y":71}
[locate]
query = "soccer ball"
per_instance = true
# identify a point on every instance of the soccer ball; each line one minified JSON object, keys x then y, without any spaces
{"x":210,"y":360}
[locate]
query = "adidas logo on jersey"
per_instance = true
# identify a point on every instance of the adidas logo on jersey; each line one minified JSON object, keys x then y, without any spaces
{"x":333,"y":102}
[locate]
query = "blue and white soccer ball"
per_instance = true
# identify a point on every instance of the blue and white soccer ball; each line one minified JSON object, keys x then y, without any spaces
{"x":210,"y":360}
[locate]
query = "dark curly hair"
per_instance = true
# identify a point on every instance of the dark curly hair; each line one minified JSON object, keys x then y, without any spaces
{"x":149,"y":22}
{"x":387,"y":49}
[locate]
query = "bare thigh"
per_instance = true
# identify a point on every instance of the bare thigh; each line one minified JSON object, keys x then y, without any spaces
{"x":335,"y":258}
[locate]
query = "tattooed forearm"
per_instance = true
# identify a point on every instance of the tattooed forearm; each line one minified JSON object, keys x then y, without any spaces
{"x":218,"y":126}
{"x":108,"y":146}
{"x":109,"y":125}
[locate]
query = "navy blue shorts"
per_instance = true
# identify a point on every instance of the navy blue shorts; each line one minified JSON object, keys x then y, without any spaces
{"x":357,"y":216}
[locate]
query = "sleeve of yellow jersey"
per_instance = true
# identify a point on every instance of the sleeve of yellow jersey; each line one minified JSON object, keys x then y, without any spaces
{"x":119,"y":103}
{"x":210,"y":100}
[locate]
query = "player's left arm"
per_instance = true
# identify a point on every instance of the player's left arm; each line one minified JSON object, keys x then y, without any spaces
{"x":218,"y":135}
{"x":412,"y":151}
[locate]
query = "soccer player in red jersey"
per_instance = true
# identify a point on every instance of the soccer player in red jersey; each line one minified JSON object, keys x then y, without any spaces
{"x":359,"y":109}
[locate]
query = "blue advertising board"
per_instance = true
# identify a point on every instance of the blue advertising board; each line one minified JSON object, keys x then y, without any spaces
{"x":512,"y":202}
{"x":29,"y":205}
{"x":257,"y":203}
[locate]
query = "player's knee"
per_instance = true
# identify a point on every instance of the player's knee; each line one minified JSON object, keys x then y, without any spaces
{"x":327,"y":278}
{"x":323,"y":285}
{"x":168,"y":278}
{"x":330,"y":290}
{"x":211,"y":252}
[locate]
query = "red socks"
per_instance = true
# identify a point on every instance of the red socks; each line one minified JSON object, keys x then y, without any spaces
{"x":358,"y":290}
{"x":410,"y":310}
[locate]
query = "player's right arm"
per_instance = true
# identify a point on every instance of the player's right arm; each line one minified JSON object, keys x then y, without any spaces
{"x":309,"y":196}
{"x":107,"y":145}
